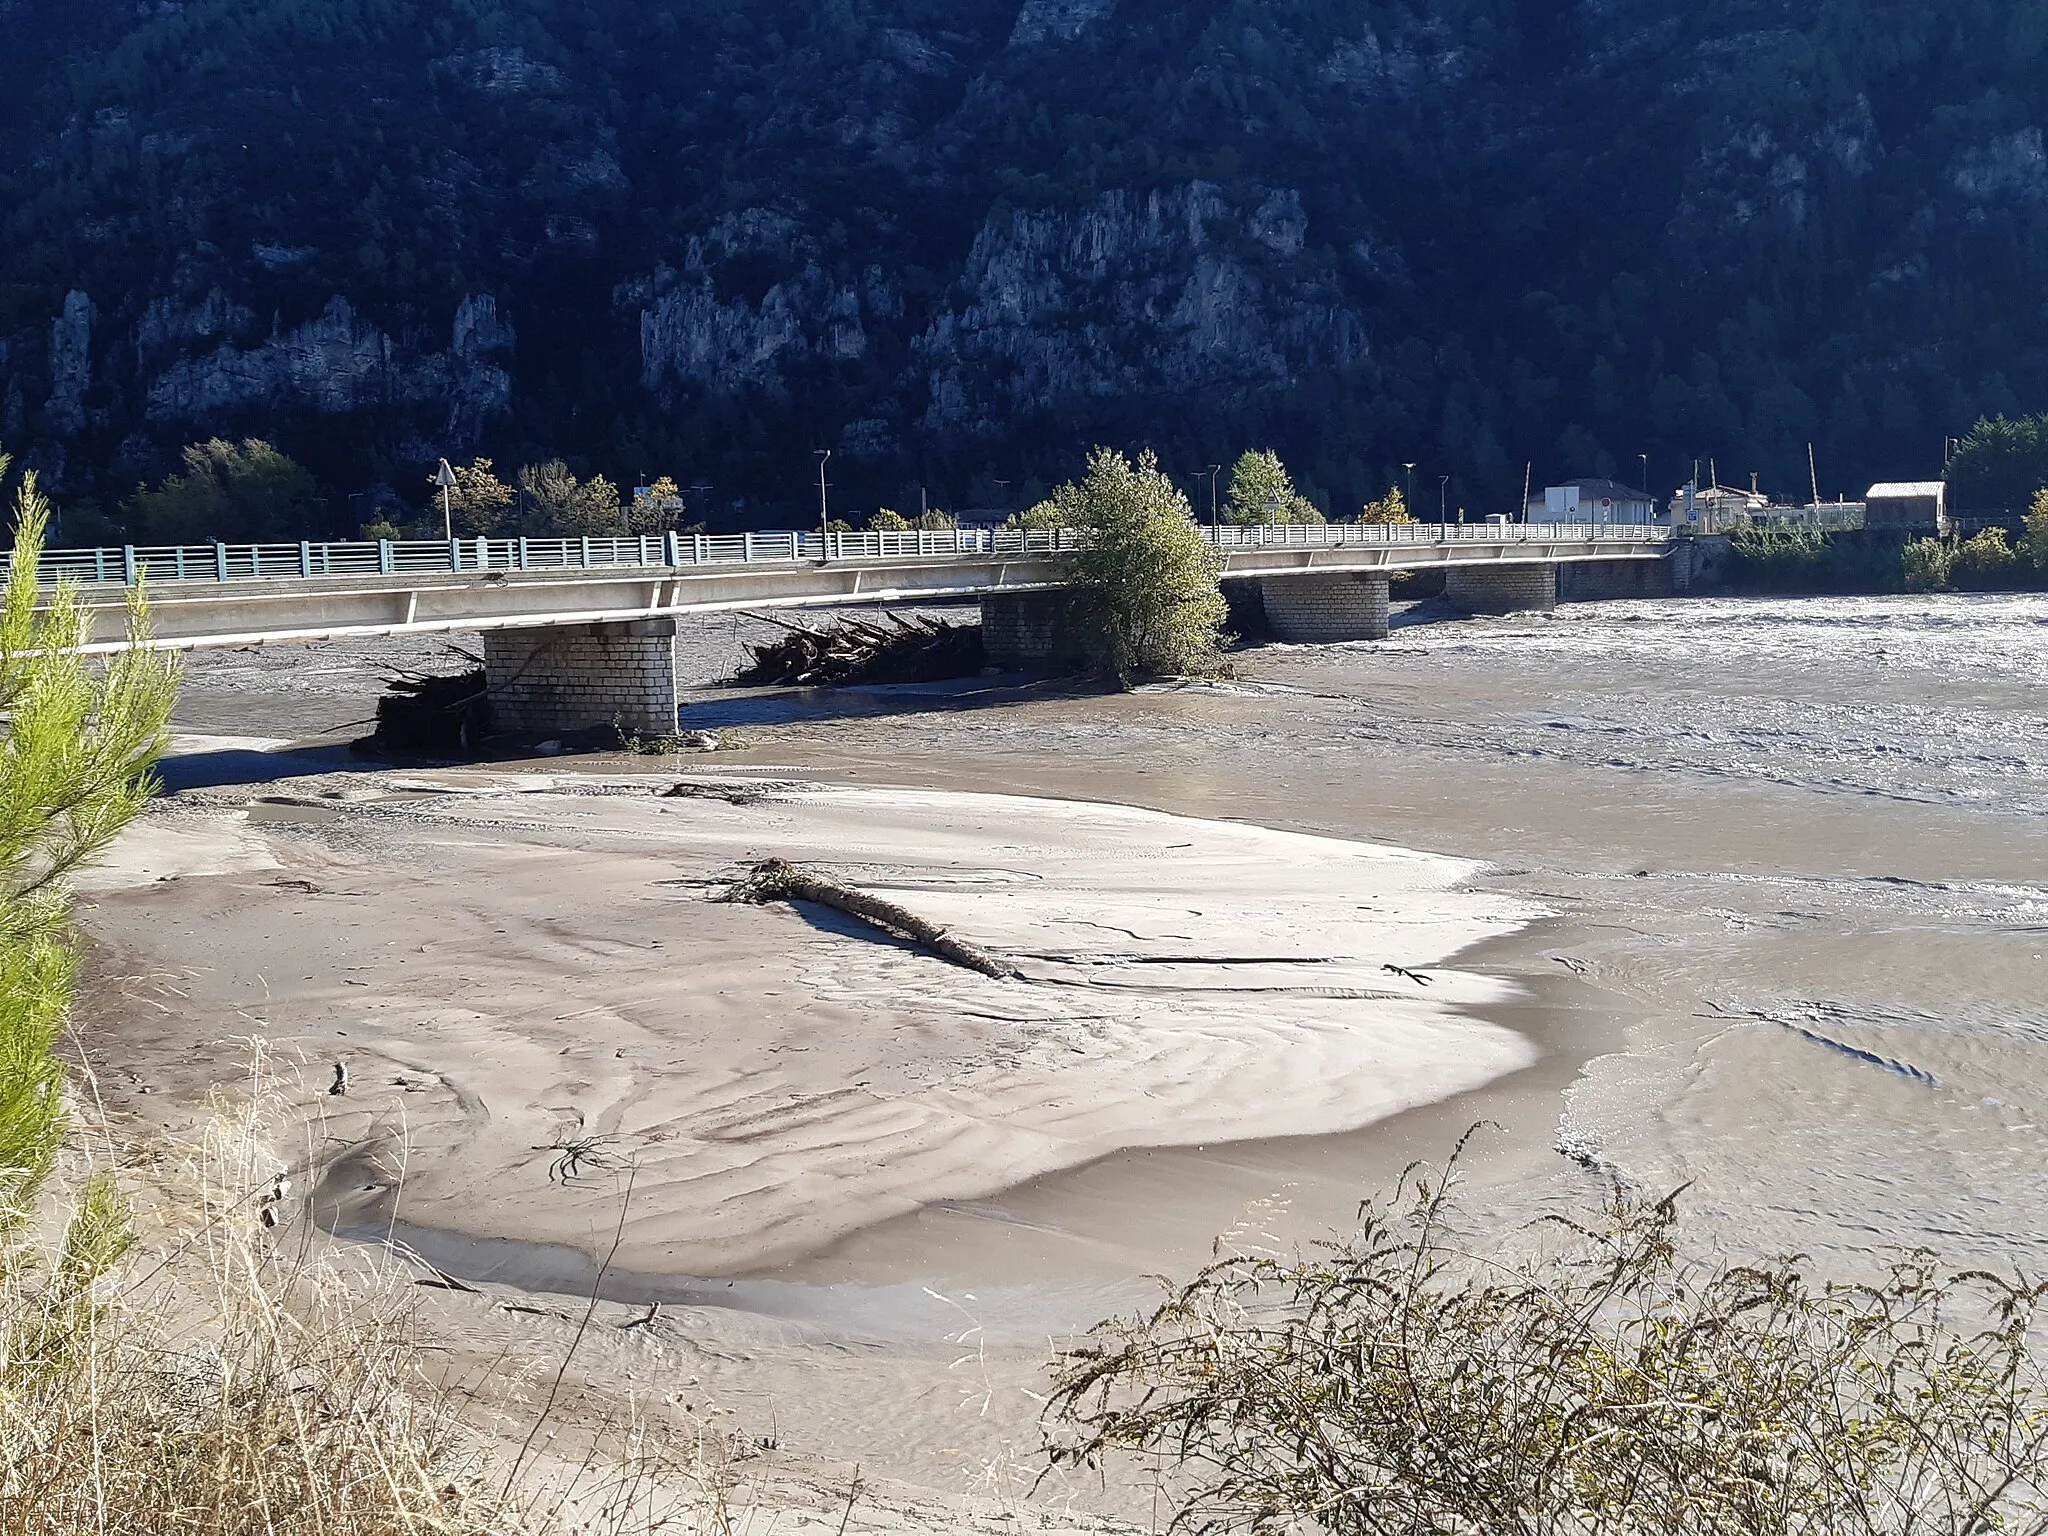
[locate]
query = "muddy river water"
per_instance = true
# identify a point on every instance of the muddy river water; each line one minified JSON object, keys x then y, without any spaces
{"x":1791,"y":858}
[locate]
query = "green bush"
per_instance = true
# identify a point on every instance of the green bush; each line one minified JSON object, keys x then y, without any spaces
{"x":1776,"y":557}
{"x":1399,"y":1382}
{"x":1926,"y":564}
{"x":1986,"y":562}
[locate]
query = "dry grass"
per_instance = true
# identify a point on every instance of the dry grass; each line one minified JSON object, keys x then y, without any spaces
{"x":241,"y":1375}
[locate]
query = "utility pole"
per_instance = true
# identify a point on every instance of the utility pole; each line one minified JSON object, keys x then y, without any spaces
{"x":1443,"y":487}
{"x":1646,"y":472}
{"x":1214,"y":471}
{"x":824,"y":519}
{"x":444,"y":477}
{"x":1528,"y":474}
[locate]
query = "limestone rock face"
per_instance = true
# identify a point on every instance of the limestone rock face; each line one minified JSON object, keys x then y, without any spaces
{"x":692,"y":332}
{"x":1139,"y":294}
{"x":333,"y":364}
{"x":1042,"y":21}
{"x":70,"y":364}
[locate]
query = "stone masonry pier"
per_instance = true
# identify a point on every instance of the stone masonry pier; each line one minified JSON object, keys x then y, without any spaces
{"x":1023,"y":629}
{"x":1501,"y":588}
{"x":1321,"y":610}
{"x":572,"y":676}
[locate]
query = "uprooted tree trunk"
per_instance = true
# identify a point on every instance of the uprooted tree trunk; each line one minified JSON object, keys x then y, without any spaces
{"x":780,"y":880}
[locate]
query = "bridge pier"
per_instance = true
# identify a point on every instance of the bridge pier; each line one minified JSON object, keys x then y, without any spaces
{"x":1321,"y":610}
{"x":573,"y":676}
{"x":1501,"y":588}
{"x":1024,"y":629}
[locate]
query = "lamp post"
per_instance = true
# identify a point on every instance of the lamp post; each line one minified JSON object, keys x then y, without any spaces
{"x":444,"y":477}
{"x":1213,"y":471}
{"x":1645,"y":458}
{"x":1409,"y":493}
{"x":824,"y":520}
{"x":1443,"y":487}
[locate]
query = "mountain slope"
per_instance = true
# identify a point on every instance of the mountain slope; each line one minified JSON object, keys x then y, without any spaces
{"x":956,"y":242}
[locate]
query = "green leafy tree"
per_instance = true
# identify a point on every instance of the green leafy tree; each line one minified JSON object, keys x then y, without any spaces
{"x":1148,"y":578}
{"x":1261,"y":491}
{"x":889,"y":520}
{"x":1999,"y":466}
{"x":239,"y":493}
{"x":1390,"y":508}
{"x":478,"y":500}
{"x":2034,"y":546}
{"x":1040,"y":517}
{"x":75,"y":767}
{"x":657,"y":507}
{"x":555,"y":504}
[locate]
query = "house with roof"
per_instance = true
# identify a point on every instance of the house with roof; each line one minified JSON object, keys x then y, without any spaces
{"x":1593,"y":501}
{"x":1920,"y":506}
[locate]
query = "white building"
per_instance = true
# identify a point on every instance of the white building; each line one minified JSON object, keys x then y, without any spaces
{"x":1593,"y":501}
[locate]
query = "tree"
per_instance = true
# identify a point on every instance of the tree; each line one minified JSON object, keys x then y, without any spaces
{"x":74,"y":768}
{"x":558,"y":505}
{"x":1390,"y":508}
{"x":1999,"y":466}
{"x":2035,"y":545}
{"x":1039,"y":518}
{"x":656,"y":508}
{"x":1148,"y":578}
{"x":1261,"y":491}
{"x":889,"y":520}
{"x":239,"y":493}
{"x":478,"y":499}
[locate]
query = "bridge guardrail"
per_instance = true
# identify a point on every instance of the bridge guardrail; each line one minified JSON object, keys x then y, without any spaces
{"x":125,"y":564}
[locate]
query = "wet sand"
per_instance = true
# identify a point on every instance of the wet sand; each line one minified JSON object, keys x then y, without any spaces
{"x":1789,"y":854}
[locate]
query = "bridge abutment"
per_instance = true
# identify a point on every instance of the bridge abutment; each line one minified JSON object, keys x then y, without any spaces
{"x":1590,"y":581}
{"x":1025,"y":629}
{"x":1501,"y":588}
{"x":573,"y":676}
{"x":1321,"y":610}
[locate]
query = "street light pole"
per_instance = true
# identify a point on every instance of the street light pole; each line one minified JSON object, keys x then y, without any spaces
{"x":445,"y":478}
{"x":824,"y":520}
{"x":1410,"y":492}
{"x":1443,"y":486}
{"x":1214,"y":471}
{"x":1646,"y":472}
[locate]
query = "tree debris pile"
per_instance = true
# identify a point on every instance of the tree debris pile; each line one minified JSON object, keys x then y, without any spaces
{"x":445,"y":715}
{"x":893,"y":650}
{"x":780,"y":880}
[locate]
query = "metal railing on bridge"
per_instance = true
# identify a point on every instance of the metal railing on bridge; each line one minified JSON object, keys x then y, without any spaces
{"x":126,"y":564}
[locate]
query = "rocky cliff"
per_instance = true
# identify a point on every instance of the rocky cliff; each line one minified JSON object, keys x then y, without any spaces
{"x":956,"y":241}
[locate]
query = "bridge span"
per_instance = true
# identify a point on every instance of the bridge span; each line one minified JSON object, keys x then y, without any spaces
{"x":582,"y":629}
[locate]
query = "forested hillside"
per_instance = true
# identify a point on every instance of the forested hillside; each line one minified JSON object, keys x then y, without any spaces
{"x":957,"y":241}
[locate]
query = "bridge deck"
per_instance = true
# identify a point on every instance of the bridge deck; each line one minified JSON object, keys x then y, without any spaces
{"x":219,"y":594}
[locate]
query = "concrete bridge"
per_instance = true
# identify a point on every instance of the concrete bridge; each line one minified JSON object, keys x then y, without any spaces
{"x":583,"y":630}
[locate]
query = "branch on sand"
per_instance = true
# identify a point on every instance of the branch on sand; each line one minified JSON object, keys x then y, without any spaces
{"x":780,"y":880}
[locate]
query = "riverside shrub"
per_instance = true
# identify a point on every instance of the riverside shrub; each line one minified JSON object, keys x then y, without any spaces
{"x":1986,"y":562}
{"x":1397,"y":1382}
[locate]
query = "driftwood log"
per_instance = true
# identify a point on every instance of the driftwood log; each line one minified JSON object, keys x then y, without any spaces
{"x":780,"y":880}
{"x":917,"y":649}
